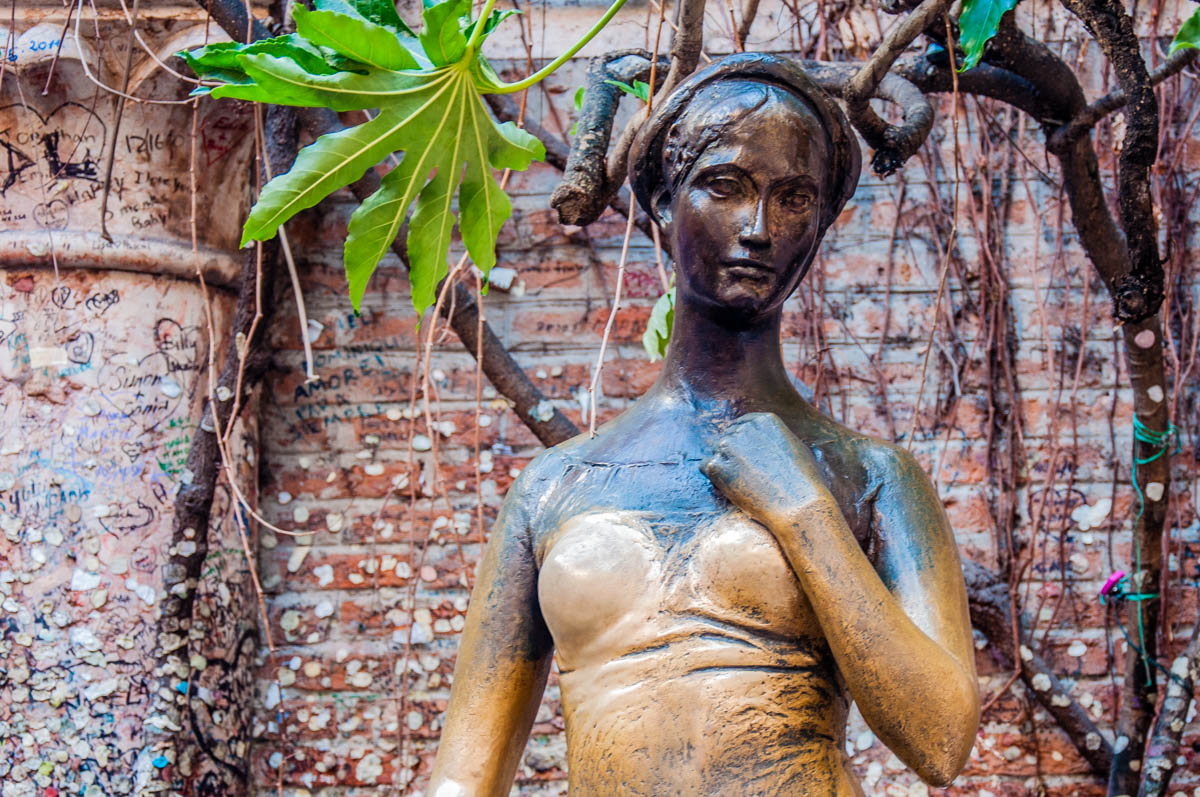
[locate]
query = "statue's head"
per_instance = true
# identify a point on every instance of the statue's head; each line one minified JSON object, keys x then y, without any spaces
{"x":744,"y":167}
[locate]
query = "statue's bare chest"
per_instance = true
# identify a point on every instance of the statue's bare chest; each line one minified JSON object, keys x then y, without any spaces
{"x":619,"y":583}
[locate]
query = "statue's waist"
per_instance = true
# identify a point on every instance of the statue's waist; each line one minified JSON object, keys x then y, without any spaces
{"x":705,"y":724}
{"x":710,"y":672}
{"x":684,"y":646}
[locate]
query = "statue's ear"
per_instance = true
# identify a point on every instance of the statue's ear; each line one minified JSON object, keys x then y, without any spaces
{"x":662,"y":208}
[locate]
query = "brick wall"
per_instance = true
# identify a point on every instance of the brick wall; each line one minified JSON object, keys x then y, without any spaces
{"x":378,"y":589}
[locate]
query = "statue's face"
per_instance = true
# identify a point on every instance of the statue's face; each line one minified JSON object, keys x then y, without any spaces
{"x":745,"y":221}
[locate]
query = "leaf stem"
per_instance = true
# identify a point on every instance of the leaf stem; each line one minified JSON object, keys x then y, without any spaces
{"x":548,"y":69}
{"x":480,"y":24}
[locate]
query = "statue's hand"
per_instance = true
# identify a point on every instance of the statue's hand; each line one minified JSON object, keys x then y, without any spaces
{"x":764,"y":469}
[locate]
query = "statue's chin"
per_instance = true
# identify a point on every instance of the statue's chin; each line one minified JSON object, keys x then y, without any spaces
{"x":744,"y":301}
{"x":740,"y":311}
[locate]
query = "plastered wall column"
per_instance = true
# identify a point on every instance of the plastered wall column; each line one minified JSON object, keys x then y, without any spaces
{"x":105,"y":349}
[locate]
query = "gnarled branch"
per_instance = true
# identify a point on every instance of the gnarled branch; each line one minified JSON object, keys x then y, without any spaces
{"x":749,"y":13}
{"x":1115,"y":99}
{"x":1163,"y":749}
{"x":1058,"y":91}
{"x":916,"y":112}
{"x":587,"y":185}
{"x":193,"y":504}
{"x":893,"y":145}
{"x":1140,"y":291}
{"x":686,"y":45}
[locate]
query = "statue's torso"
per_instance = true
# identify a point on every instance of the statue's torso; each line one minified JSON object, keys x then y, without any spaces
{"x":690,"y":660}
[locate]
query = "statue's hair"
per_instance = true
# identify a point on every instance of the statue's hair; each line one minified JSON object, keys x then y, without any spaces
{"x":663,"y":151}
{"x":684,"y":144}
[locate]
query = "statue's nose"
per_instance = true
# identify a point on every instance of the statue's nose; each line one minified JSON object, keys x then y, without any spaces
{"x":754,"y":232}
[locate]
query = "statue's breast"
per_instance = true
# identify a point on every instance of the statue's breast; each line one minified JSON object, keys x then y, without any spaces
{"x":713,"y":588}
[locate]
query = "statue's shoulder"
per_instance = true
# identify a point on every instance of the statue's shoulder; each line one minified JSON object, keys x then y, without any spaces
{"x":541,"y":473}
{"x":544,"y":475}
{"x":881,"y":461}
{"x":892,"y":468}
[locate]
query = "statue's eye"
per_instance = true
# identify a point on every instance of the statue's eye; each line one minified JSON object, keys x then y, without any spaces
{"x":797,"y":200}
{"x":723,"y":186}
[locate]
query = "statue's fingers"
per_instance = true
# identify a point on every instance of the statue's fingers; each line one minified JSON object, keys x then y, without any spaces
{"x":719,"y":469}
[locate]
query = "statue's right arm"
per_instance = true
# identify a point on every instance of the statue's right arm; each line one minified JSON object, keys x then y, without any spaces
{"x":503,"y":660}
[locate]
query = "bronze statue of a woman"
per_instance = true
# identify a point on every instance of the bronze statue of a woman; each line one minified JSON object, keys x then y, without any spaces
{"x":722,"y":568}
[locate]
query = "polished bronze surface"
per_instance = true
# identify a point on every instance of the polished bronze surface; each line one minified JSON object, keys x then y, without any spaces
{"x":722,"y":568}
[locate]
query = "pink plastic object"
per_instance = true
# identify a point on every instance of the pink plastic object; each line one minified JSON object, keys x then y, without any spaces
{"x":1113,"y":580}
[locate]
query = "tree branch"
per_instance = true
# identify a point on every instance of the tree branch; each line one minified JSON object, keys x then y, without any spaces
{"x":193,"y":504}
{"x":686,"y":45}
{"x":990,"y":613}
{"x":1140,"y":291}
{"x":1092,"y":114}
{"x":1163,"y":749}
{"x":893,"y":145}
{"x":916,"y":112}
{"x":235,"y":19}
{"x":587,"y":185}
{"x":1057,"y":88}
{"x":749,"y":13}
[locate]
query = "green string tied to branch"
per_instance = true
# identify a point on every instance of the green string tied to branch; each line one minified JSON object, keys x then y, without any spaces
{"x":1158,"y":442}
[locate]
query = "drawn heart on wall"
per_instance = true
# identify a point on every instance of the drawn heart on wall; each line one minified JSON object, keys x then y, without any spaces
{"x":80,"y":347}
{"x":133,"y":450}
{"x":128,"y":518}
{"x":66,"y":143}
{"x":146,"y":393}
{"x":221,"y":131}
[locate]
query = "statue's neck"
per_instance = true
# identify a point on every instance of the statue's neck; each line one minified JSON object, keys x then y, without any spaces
{"x":721,"y":362}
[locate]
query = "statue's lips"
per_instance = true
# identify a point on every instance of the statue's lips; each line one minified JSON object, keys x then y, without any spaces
{"x":743,"y":267}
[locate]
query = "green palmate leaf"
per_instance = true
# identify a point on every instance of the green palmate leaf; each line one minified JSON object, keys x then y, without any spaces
{"x":216,"y":61}
{"x":381,"y":12}
{"x":658,"y":328}
{"x":456,"y":140}
{"x":978,"y":23}
{"x":443,"y":38}
{"x":281,"y":81}
{"x":359,"y":55}
{"x":1188,"y":35}
{"x":333,"y":161}
{"x":354,"y":37}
